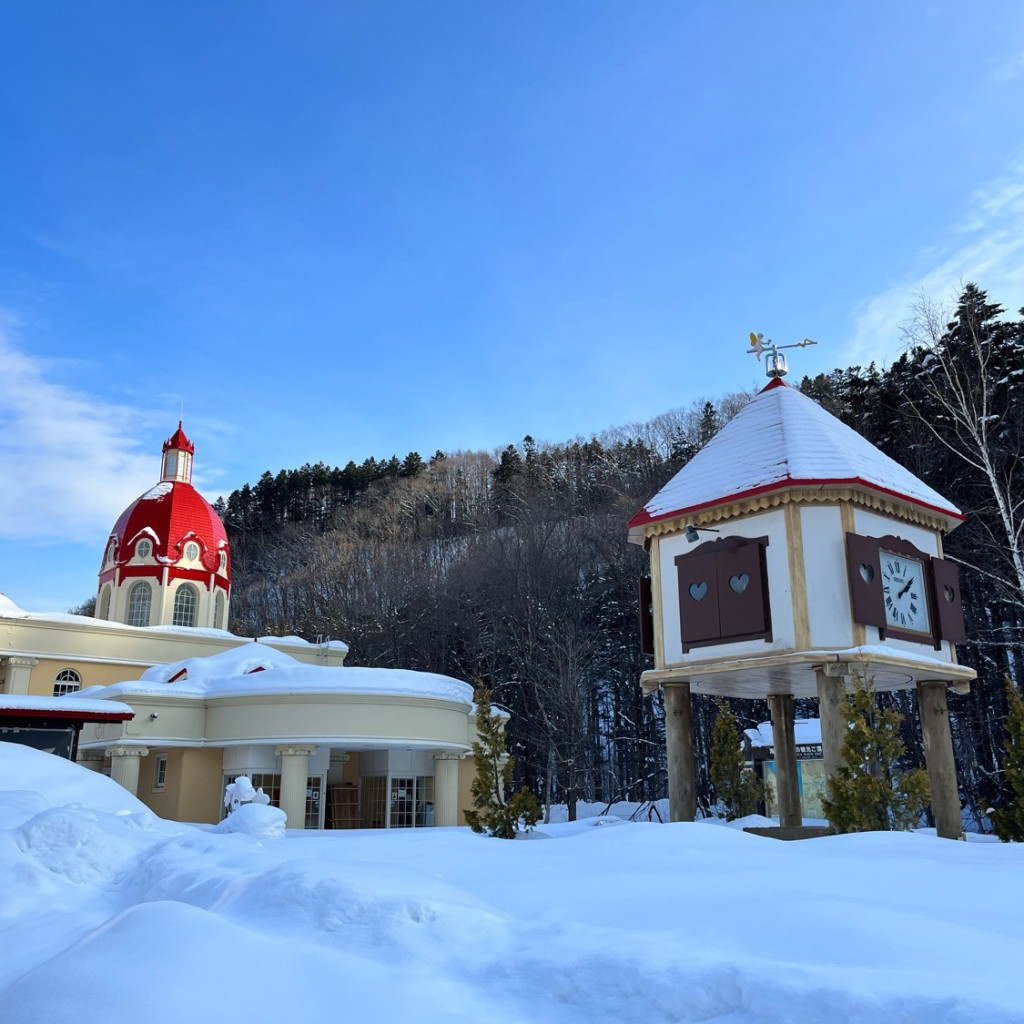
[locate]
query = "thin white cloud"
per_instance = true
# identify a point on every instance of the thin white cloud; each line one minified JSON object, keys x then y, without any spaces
{"x":70,"y":462}
{"x":1009,"y":69}
{"x":990,"y":253}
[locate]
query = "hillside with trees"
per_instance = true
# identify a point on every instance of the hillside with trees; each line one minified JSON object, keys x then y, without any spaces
{"x":511,"y":569}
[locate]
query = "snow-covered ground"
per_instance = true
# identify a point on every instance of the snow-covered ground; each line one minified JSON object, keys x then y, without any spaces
{"x":107,"y":914}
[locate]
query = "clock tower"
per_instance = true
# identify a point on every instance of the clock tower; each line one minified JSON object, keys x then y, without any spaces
{"x":788,"y":558}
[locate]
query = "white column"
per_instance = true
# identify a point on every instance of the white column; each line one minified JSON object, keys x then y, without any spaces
{"x":446,"y":787}
{"x":294,"y":774}
{"x":19,"y":671}
{"x":124,"y":766}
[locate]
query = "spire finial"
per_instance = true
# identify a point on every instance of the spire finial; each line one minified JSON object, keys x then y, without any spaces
{"x":774,"y":364}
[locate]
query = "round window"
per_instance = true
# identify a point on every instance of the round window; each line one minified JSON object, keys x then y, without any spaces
{"x":223,"y":561}
{"x":144,"y":548}
{"x":191,"y":551}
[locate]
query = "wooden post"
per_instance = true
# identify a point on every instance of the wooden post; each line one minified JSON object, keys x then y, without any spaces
{"x":938,"y":755}
{"x":834,"y":727}
{"x":682,"y":775}
{"x":783,"y":713}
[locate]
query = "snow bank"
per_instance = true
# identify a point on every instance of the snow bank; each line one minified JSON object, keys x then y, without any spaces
{"x":120,"y":915}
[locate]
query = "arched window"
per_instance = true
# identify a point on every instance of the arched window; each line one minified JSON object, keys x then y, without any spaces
{"x":67,"y":681}
{"x":218,"y":611}
{"x":104,"y":612}
{"x":140,"y":597}
{"x":185,"y":602}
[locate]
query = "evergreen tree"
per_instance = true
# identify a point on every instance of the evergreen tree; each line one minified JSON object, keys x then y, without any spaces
{"x":869,"y":792}
{"x":737,"y":788}
{"x":1008,"y":820}
{"x":497,"y":810}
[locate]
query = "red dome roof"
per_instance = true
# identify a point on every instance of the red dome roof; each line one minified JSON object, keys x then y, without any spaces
{"x":171,"y":514}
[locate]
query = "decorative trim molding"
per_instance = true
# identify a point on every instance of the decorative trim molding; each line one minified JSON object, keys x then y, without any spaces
{"x":307,"y":750}
{"x":123,"y":750}
{"x":801,"y":496}
{"x":23,"y":662}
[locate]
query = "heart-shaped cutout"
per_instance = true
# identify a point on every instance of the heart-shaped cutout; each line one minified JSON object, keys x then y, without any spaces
{"x":949,"y":593}
{"x":698,"y":590}
{"x":867,"y":572}
{"x":739,"y":583}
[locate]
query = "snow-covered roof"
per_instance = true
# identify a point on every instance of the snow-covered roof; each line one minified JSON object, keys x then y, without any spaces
{"x":68,"y":706}
{"x":808,"y":730}
{"x":259,"y":669}
{"x":784,"y":439}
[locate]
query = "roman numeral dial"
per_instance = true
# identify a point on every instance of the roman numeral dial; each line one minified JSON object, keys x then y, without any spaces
{"x":903,"y":588}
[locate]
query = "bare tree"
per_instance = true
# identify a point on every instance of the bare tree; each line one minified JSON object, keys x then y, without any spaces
{"x":963,"y":398}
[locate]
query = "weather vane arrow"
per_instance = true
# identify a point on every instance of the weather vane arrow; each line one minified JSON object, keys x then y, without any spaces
{"x":774,"y":363}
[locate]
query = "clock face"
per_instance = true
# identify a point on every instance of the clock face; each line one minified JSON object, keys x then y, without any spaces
{"x":903,"y":586}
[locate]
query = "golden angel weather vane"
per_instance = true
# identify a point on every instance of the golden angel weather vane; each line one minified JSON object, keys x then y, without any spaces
{"x":774,"y":362}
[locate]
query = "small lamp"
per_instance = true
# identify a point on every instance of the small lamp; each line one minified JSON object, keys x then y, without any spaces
{"x":692,"y":533}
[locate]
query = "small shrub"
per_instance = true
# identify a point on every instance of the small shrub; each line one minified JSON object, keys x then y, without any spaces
{"x":737,"y":788}
{"x":869,"y":792}
{"x":1008,"y":820}
{"x":497,"y":811}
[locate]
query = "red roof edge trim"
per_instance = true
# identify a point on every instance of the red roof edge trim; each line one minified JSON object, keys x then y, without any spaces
{"x":775,"y":382}
{"x":643,"y":517}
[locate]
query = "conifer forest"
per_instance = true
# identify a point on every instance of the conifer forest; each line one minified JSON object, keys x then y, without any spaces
{"x":511,"y":569}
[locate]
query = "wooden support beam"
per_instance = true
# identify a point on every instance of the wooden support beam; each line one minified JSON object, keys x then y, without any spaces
{"x":783,"y":711}
{"x":682,"y":775}
{"x":834,"y":727}
{"x":938,"y":755}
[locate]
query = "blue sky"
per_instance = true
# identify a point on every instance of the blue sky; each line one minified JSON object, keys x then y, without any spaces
{"x":341,"y":229}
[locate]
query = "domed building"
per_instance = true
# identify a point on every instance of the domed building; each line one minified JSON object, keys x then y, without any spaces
{"x":174,"y":714}
{"x":167,"y":561}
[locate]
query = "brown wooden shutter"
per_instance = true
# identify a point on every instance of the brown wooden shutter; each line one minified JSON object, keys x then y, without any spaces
{"x":646,"y":616}
{"x":864,"y":572}
{"x":947,"y":601}
{"x":742,"y":591}
{"x":698,"y":599}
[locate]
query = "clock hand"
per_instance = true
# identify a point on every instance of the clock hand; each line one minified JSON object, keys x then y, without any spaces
{"x":910,"y":583}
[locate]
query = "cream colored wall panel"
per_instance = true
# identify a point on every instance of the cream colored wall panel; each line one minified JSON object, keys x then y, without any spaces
{"x":871,"y":524}
{"x":828,"y":592}
{"x":770,"y":524}
{"x":301,"y":718}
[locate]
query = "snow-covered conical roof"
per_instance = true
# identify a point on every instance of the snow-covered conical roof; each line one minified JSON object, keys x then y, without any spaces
{"x":784,"y":439}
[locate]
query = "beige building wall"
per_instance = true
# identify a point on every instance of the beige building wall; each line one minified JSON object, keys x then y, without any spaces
{"x":103,"y":653}
{"x":201,"y":790}
{"x":192,"y":790}
{"x":161,"y":802}
{"x":467,"y":772}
